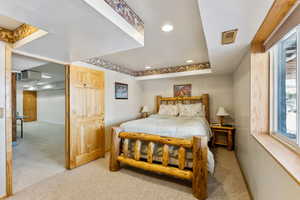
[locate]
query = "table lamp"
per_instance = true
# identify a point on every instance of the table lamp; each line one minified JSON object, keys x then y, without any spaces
{"x":221,"y":114}
{"x":145,"y":111}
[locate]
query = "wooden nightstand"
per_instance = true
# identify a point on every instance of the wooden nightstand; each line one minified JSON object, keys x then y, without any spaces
{"x":223,"y":136}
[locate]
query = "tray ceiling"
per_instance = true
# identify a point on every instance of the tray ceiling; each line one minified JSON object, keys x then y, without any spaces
{"x":164,"y":49}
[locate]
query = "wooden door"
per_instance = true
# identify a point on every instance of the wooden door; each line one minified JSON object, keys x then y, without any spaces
{"x":85,"y":111}
{"x":29,"y":106}
{"x":14,"y":105}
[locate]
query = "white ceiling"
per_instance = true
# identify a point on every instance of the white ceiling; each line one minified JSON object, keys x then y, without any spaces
{"x":75,"y":30}
{"x":56,"y":72}
{"x":219,"y":16}
{"x":9,"y":23}
{"x":20,"y":62}
{"x":165,"y":49}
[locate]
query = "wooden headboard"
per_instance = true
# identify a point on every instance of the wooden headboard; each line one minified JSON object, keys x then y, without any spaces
{"x":204,"y":99}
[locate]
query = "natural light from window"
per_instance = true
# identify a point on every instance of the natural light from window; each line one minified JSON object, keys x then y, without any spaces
{"x":285,"y":86}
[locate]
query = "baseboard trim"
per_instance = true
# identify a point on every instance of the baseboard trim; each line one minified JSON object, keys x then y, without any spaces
{"x":51,"y":122}
{"x":3,"y":197}
{"x":244,"y":177}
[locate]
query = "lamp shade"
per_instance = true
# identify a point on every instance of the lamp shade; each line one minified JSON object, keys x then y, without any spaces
{"x":145,"y":109}
{"x":222,"y":112}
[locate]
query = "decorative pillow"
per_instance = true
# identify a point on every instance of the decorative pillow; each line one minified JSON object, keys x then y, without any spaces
{"x":168,"y":110}
{"x":192,"y":110}
{"x":173,"y":110}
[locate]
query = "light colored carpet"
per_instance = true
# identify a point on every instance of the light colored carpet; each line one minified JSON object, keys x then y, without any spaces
{"x":95,"y":182}
{"x":39,"y":155}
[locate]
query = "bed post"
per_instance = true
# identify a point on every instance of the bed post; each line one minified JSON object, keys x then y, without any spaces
{"x":205,"y":101}
{"x":158,"y":99}
{"x":114,"y":164}
{"x":200,"y":167}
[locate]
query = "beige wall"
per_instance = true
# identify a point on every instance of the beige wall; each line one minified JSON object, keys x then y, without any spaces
{"x":2,"y":122}
{"x":219,"y":88}
{"x":266,"y":178}
{"x":54,"y":113}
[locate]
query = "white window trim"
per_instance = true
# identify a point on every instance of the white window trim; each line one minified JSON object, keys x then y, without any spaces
{"x":273,"y":93}
{"x":297,"y":29}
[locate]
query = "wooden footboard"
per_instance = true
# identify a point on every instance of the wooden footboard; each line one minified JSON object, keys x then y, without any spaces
{"x":198,"y":145}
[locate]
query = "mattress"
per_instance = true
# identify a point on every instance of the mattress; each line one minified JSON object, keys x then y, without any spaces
{"x":170,"y":126}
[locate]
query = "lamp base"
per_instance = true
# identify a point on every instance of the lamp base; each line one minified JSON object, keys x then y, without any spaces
{"x":221,"y":120}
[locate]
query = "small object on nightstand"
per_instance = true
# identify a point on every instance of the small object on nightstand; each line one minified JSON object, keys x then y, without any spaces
{"x":227,"y":125}
{"x":221,"y":114}
{"x":145,"y":111}
{"x":223,"y":135}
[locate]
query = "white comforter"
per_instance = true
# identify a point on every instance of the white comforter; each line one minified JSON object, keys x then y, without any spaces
{"x":170,"y":126}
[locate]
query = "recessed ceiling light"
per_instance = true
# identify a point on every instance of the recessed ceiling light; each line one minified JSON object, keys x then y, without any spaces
{"x":167,"y":28}
{"x":189,"y":61}
{"x":31,"y":88}
{"x":46,"y":76}
{"x":47,"y":86}
{"x":148,"y":67}
{"x":40,"y":83}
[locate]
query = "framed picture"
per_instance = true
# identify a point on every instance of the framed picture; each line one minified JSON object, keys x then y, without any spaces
{"x":121,"y":90}
{"x":183,"y":90}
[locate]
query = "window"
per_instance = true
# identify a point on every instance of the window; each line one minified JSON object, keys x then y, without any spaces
{"x":286,"y":88}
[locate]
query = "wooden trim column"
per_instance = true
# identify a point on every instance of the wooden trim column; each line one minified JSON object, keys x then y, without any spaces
{"x":67,"y":117}
{"x":259,"y":92}
{"x":14,"y":105}
{"x":8,"y":120}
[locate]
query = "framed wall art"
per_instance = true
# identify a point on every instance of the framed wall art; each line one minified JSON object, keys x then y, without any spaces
{"x":184,"y":90}
{"x":121,"y":90}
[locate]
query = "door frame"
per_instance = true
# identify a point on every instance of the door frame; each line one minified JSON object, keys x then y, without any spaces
{"x":67,"y":117}
{"x":8,"y":120}
{"x":8,"y":114}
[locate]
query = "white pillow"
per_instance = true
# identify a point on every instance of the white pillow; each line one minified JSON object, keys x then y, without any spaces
{"x":168,"y":110}
{"x":192,"y":110}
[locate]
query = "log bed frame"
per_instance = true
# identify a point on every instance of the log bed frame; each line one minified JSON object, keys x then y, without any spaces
{"x":198,"y":145}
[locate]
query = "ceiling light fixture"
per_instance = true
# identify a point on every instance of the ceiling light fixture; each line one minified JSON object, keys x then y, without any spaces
{"x":47,"y":86}
{"x":46,"y":76}
{"x":31,"y":88}
{"x":189,"y":61}
{"x":167,"y":28}
{"x":148,"y":67}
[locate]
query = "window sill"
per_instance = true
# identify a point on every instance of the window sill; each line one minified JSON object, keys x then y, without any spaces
{"x":285,"y":156}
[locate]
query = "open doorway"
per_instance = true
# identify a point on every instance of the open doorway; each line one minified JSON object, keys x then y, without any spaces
{"x":38,"y":103}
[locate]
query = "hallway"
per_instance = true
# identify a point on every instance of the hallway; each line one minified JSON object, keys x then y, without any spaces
{"x":39,"y":155}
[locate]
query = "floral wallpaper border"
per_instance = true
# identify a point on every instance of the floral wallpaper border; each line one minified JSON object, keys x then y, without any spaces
{"x":122,"y":8}
{"x":174,"y":69}
{"x":109,"y":65}
{"x":118,"y":68}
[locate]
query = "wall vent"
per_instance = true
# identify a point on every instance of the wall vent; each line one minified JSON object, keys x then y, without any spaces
{"x":228,"y":37}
